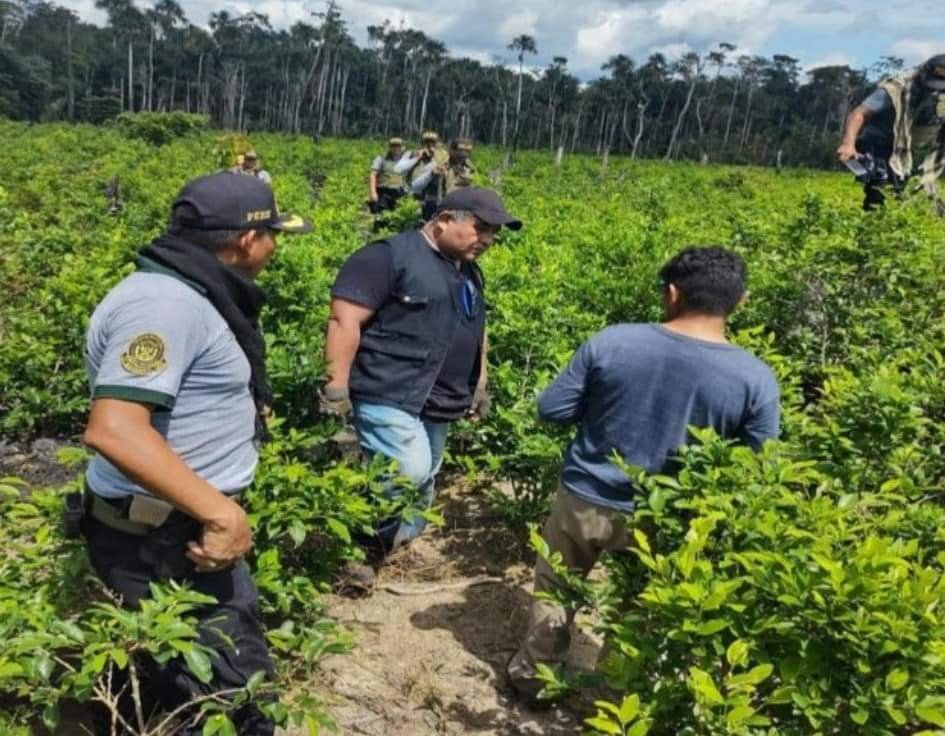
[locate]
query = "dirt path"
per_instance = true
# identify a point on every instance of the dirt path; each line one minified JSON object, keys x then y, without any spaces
{"x":434,"y":637}
{"x":431,"y":641}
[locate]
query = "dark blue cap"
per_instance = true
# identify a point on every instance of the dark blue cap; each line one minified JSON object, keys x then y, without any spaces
{"x":228,"y":201}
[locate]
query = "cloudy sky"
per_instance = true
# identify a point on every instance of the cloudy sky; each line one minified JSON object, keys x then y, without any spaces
{"x":587,"y":32}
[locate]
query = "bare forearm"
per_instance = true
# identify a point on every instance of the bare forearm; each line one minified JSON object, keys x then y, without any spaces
{"x":854,"y":125}
{"x":341,"y":345}
{"x":372,"y":185}
{"x":143,"y":455}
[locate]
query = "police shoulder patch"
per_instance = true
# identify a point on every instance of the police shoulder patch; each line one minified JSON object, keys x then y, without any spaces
{"x":145,"y":355}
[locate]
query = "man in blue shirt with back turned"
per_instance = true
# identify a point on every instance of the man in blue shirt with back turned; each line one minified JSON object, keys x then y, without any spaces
{"x":635,"y":389}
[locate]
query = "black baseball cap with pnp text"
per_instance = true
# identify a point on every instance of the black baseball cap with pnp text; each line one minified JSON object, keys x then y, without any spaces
{"x":227,"y":201}
{"x":483,"y":203}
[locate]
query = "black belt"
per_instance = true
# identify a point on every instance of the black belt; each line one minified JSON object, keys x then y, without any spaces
{"x":113,"y":513}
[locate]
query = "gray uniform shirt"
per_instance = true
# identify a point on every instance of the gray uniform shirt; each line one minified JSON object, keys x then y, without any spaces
{"x":156,"y":339}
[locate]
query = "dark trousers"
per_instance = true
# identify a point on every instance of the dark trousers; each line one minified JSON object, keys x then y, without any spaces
{"x":386,"y":199}
{"x":873,"y":196}
{"x":128,"y":564}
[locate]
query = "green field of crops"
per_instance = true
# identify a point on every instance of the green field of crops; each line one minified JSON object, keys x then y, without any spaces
{"x":797,"y":592}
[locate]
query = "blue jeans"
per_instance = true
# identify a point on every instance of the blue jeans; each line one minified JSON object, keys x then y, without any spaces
{"x":417,"y":446}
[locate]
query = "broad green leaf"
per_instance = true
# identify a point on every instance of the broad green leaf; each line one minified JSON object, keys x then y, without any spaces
{"x":705,"y":688}
{"x":738,"y":715}
{"x":714,"y":626}
{"x":219,"y":723}
{"x":754,"y":676}
{"x":199,"y":664}
{"x":254,"y":682}
{"x":899,"y":718}
{"x":51,"y":716}
{"x":737,"y":652}
{"x":119,"y":657}
{"x":339,"y":530}
{"x":45,"y":666}
{"x":629,"y":708}
{"x":609,"y":707}
{"x":897,"y":679}
{"x":603,"y":724}
{"x":297,"y":532}
{"x":931,"y":715}
{"x":657,"y":500}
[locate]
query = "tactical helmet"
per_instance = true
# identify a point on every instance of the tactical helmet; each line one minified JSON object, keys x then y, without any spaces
{"x":250,"y":154}
{"x":933,"y":73}
{"x":429,"y":135}
{"x":395,"y":142}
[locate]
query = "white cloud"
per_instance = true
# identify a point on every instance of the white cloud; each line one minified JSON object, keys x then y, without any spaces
{"x":608,"y":34}
{"x":916,"y":50}
{"x":283,"y":13}
{"x":838,"y":58}
{"x":523,"y":21}
{"x":686,"y":16}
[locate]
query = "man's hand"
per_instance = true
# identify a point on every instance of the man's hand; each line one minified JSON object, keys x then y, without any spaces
{"x":940,"y":107}
{"x":334,"y":401}
{"x":846,"y":152}
{"x":225,"y":539}
{"x":481,"y":405}
{"x":372,"y":197}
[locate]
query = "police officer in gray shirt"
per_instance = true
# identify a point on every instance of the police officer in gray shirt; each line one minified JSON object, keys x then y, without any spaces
{"x":179,"y":394}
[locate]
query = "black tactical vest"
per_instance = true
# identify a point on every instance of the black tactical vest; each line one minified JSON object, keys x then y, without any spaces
{"x":404,"y":344}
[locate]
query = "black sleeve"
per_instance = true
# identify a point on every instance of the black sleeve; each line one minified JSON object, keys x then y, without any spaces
{"x":367,"y":277}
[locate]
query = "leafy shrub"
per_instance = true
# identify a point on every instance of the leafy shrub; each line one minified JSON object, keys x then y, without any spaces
{"x":158,"y":128}
{"x":763,"y":597}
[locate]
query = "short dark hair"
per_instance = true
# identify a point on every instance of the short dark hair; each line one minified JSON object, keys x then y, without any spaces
{"x":712,"y":279}
{"x":213,"y":240}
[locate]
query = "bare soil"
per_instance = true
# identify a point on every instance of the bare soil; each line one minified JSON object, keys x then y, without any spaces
{"x":431,"y":640}
{"x":435,"y":635}
{"x":35,"y":462}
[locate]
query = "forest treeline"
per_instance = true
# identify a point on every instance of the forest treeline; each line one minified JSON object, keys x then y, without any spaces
{"x":313,"y":78}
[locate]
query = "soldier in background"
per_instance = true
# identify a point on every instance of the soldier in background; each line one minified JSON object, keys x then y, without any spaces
{"x":248,"y":165}
{"x":461,"y":172}
{"x":385,"y":185}
{"x":878,"y":137}
{"x":425,"y":171}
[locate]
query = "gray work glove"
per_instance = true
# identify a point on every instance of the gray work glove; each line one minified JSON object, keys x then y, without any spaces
{"x":334,"y":401}
{"x":481,"y":404}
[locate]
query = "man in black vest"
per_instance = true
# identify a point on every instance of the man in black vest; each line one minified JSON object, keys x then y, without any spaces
{"x":406,"y":342}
